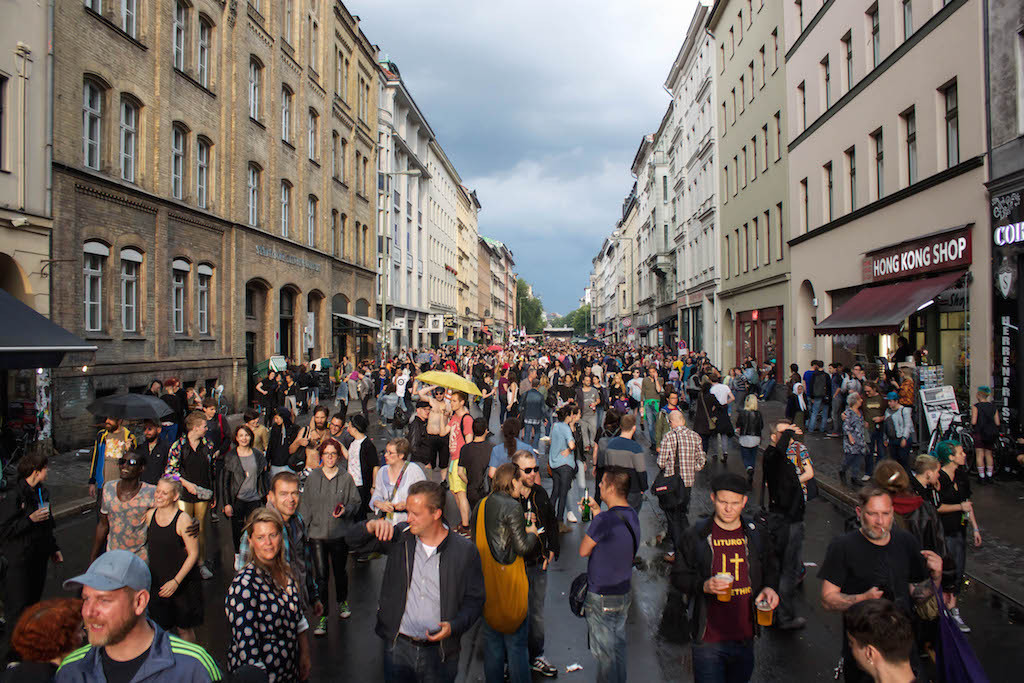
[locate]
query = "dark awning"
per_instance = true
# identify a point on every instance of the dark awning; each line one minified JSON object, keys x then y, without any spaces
{"x":358,"y":320}
{"x":880,"y":310}
{"x":30,"y":340}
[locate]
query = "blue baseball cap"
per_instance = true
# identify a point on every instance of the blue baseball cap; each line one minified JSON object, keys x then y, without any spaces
{"x":113,"y":570}
{"x":892,"y":396}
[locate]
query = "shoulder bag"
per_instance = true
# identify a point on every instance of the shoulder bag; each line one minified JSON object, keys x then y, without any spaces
{"x":712,"y":419}
{"x":505,"y":614}
{"x":668,"y":487}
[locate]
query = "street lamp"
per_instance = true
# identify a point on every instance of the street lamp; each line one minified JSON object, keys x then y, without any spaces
{"x":386,"y":266}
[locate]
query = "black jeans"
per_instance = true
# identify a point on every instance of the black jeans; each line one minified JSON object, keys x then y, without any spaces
{"x":676,"y":520}
{"x":240,"y":511}
{"x":328,"y":554}
{"x":561,"y":482}
{"x":538,"y":581}
{"x":405,"y":662}
{"x":23,"y":585}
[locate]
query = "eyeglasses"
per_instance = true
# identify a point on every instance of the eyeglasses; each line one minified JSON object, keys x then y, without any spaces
{"x":129,"y":462}
{"x":530,"y":470}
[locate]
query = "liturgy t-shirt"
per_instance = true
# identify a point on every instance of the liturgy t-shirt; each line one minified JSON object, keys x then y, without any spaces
{"x":730,"y":620}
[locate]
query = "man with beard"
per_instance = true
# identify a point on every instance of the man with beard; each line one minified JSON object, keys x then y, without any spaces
{"x":124,"y":645}
{"x":437,"y":420}
{"x":122,"y":523}
{"x":311,"y":437}
{"x":191,"y":460}
{"x":874,"y":561}
{"x":154,"y":452}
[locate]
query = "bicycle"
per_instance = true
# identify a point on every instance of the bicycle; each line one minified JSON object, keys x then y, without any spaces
{"x":222,"y":403}
{"x":13,"y":447}
{"x":958,"y":429}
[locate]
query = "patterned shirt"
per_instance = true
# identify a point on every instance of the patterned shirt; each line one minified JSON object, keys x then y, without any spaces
{"x":798,"y":455}
{"x":685,"y":443}
{"x":127,"y":518}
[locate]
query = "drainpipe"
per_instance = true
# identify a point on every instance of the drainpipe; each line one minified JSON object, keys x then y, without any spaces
{"x":21,"y":53}
{"x":48,"y":156}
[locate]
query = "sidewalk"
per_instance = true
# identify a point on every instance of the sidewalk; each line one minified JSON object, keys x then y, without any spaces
{"x":998,"y":563}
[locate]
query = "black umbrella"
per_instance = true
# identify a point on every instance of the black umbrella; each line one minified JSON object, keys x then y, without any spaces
{"x":130,"y":407}
{"x":593,"y":342}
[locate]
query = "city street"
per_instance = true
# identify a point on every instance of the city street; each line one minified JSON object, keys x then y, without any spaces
{"x":657,"y":627}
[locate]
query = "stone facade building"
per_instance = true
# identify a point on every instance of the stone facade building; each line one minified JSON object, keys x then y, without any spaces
{"x":214,"y":192}
{"x":467,"y":211}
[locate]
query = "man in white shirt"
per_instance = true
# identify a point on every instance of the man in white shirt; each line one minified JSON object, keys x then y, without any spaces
{"x":723,"y":393}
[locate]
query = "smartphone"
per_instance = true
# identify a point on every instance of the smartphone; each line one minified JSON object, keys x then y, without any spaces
{"x":339,"y":508}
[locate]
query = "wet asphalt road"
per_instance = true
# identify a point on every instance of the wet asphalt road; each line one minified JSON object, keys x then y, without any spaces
{"x":658,"y":648}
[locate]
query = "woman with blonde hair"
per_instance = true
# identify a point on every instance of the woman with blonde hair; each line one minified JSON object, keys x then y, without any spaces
{"x":263,"y":606}
{"x":985,"y":419}
{"x":176,"y":597}
{"x":749,"y":425}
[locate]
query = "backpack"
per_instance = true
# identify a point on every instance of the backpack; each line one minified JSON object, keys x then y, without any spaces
{"x":401,"y":418}
{"x":819,"y":384}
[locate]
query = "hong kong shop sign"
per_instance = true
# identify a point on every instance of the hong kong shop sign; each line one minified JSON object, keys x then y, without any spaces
{"x":939,"y":252}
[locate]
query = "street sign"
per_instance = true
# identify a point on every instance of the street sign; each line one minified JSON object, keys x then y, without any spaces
{"x":632,"y":331}
{"x":627,"y":322}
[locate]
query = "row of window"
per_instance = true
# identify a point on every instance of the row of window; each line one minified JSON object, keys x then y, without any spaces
{"x":186,"y":305}
{"x":753,"y":78}
{"x":355,"y":246}
{"x":752,"y":158}
{"x":950,"y":124}
{"x":756,"y":243}
{"x":735,"y":36}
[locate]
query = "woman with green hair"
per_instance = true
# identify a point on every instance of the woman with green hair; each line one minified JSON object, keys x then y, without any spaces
{"x":956,"y":514}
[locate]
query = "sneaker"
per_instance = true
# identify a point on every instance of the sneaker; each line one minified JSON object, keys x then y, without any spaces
{"x":321,"y":627}
{"x":571,"y":517}
{"x":541,"y":666}
{"x":865,"y":478}
{"x":842,"y":477}
{"x":343,"y":611}
{"x":564,"y":528}
{"x":670,"y":557}
{"x":214,"y":517}
{"x":205,"y":572}
{"x":964,"y":628}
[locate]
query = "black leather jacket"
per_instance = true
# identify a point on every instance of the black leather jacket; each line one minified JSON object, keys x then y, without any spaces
{"x":749,"y":423}
{"x":505,"y":526}
{"x":419,"y":446}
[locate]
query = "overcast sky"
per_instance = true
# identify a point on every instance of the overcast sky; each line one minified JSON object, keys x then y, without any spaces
{"x":541,"y":107}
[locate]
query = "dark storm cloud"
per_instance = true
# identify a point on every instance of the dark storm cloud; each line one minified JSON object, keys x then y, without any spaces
{"x":540,"y":106}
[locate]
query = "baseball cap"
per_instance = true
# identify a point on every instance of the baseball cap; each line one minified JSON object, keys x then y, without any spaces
{"x":892,"y":396}
{"x":113,"y":570}
{"x":422,"y":404}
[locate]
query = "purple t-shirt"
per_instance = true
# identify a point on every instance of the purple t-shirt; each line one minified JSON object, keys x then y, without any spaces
{"x":611,"y":563}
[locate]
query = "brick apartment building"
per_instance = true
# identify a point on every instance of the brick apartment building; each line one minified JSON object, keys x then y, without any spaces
{"x":214,"y":184}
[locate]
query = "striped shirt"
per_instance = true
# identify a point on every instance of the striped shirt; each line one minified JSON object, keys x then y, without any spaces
{"x":686,"y":444}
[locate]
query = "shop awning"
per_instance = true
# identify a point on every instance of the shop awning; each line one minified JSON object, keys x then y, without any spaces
{"x":30,"y":340}
{"x":358,"y":320}
{"x":880,"y":310}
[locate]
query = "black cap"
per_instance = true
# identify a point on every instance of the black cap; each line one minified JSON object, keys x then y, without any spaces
{"x":422,"y":404}
{"x":730,"y":481}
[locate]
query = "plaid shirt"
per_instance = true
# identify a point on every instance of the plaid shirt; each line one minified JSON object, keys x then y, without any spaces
{"x":686,"y":444}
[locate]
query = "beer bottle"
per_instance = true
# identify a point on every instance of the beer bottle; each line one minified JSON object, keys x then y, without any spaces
{"x":587,"y":514}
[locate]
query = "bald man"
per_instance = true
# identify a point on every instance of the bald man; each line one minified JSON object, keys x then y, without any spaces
{"x":680,"y":453}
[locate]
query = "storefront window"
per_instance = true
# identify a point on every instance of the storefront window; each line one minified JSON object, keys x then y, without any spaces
{"x":698,"y":328}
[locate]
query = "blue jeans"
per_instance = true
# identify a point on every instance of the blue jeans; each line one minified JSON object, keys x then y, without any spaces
{"x":900,"y":454}
{"x":606,"y":622}
{"x":726,"y":662}
{"x":651,"y":418}
{"x":511,"y":646}
{"x":851,"y":462}
{"x":749,"y":456}
{"x":876,"y":451}
{"x":532,"y":433}
{"x":405,"y":662}
{"x":766,"y":389}
{"x":818,"y":410}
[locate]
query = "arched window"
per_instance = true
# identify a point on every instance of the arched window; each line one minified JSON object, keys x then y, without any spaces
{"x":95,"y":257}
{"x":286,"y":204}
{"x":287,"y":101}
{"x":131,"y":267}
{"x":179,"y":137}
{"x":203,"y":48}
{"x":203,"y":147}
{"x":255,"y":88}
{"x":92,"y":123}
{"x":180,"y":269}
{"x":311,"y":207}
{"x":129,"y":137}
{"x":314,"y":135}
{"x":204,"y":278}
{"x":180,"y":31}
{"x":254,"y":194}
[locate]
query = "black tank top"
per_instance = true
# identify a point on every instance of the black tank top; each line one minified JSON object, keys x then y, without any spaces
{"x":166,"y":551}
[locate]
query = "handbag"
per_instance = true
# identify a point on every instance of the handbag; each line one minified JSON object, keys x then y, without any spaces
{"x":667,"y":487}
{"x":505,"y":614}
{"x":581,"y":584}
{"x":712,"y":419}
{"x":957,"y":661}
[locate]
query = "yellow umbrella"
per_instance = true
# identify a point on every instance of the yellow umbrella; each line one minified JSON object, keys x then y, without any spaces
{"x":448,"y":380}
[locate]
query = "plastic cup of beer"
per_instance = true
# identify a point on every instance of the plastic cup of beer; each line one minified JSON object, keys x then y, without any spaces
{"x":764,"y":613}
{"x":725,"y":576}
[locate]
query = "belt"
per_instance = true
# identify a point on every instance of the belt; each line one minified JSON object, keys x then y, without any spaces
{"x":415,"y":641}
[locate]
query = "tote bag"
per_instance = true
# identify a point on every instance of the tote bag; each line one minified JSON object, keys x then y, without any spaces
{"x":506,"y":609}
{"x":957,"y":661}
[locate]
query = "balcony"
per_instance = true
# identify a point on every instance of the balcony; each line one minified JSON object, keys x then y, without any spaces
{"x":396,"y":255}
{"x":661,"y":262}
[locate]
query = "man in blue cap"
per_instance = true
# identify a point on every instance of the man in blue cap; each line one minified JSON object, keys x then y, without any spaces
{"x":899,"y":429}
{"x":124,"y":645}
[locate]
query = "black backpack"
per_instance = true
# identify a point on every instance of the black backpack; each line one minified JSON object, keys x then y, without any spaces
{"x":819,"y":384}
{"x":401,"y":418}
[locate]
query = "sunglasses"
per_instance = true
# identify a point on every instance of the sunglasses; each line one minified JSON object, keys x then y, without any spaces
{"x":129,"y":462}
{"x":530,"y":470}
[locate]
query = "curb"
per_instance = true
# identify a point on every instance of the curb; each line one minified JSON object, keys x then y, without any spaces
{"x":848,"y":502}
{"x":73,"y":508}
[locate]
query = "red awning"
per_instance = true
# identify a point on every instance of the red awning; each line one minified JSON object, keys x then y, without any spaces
{"x":880,"y":310}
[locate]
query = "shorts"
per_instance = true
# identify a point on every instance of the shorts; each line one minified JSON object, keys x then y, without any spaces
{"x":455,"y":482}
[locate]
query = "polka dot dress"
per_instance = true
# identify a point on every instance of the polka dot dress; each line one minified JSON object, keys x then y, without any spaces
{"x":264,"y":621}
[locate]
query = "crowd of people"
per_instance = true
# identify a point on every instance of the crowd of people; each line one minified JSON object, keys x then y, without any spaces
{"x":469,"y":528}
